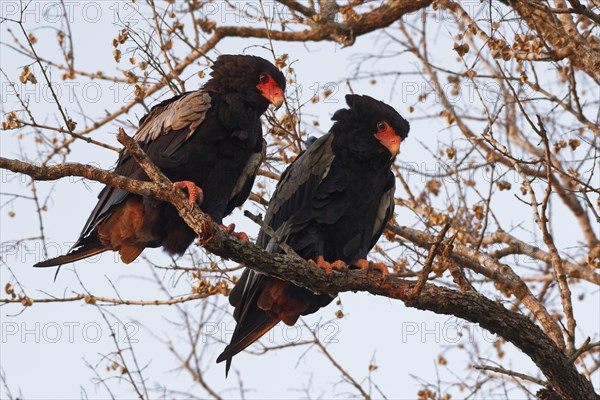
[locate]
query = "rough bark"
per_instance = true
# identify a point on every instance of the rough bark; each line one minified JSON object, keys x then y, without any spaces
{"x":562,"y":375}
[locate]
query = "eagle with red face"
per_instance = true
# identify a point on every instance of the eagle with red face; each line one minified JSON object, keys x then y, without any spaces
{"x":208,"y":141}
{"x":331,"y":206}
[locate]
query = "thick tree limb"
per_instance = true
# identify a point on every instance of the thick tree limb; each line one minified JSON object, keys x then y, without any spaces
{"x":501,"y":274}
{"x":491,"y":315}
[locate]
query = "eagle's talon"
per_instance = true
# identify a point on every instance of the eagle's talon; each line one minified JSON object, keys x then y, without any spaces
{"x":241,"y":236}
{"x":327,"y":266}
{"x":381,"y":267}
{"x":195,"y":193}
{"x":339,"y":265}
{"x":370,"y":265}
{"x":230,"y":229}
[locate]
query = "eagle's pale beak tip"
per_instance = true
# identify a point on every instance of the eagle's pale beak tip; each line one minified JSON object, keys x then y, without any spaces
{"x":277,"y":101}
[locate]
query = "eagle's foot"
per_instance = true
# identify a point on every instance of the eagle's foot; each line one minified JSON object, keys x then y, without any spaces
{"x":327,"y":266}
{"x":240,"y":235}
{"x":370,"y":265}
{"x":195,"y":193}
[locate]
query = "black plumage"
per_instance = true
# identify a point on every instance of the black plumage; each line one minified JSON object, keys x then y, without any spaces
{"x":211,"y":138}
{"x":332,"y":202}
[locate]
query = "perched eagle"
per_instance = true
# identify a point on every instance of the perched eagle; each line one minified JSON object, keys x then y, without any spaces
{"x":331,"y":206}
{"x":208,"y":141}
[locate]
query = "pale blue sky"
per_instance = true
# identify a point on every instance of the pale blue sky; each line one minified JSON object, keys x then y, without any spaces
{"x":43,"y":348}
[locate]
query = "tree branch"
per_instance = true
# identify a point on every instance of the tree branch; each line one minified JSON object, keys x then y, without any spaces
{"x":473,"y":307}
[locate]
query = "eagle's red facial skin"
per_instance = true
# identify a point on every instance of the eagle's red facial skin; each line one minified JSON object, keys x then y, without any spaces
{"x":270,"y":90}
{"x":387,"y":136}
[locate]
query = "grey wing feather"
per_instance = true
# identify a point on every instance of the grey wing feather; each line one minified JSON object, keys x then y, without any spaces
{"x":250,"y":170}
{"x":385,"y":211}
{"x":315,"y":161}
{"x":307,"y":172}
{"x":188,"y":111}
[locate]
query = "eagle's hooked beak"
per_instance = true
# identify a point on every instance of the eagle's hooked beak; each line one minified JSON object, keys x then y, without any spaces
{"x":387,"y":137}
{"x":271,"y":91}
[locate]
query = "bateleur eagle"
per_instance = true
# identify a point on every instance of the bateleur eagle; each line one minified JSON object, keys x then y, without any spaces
{"x":208,"y":141}
{"x":331,"y":206}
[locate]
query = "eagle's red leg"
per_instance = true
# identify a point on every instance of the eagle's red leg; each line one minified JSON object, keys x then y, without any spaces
{"x":327,"y":266}
{"x":366,"y":264}
{"x":195,"y":192}
{"x":240,"y":235}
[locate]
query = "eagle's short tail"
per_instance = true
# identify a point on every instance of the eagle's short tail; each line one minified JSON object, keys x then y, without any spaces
{"x":249,"y":329}
{"x":76,"y":254}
